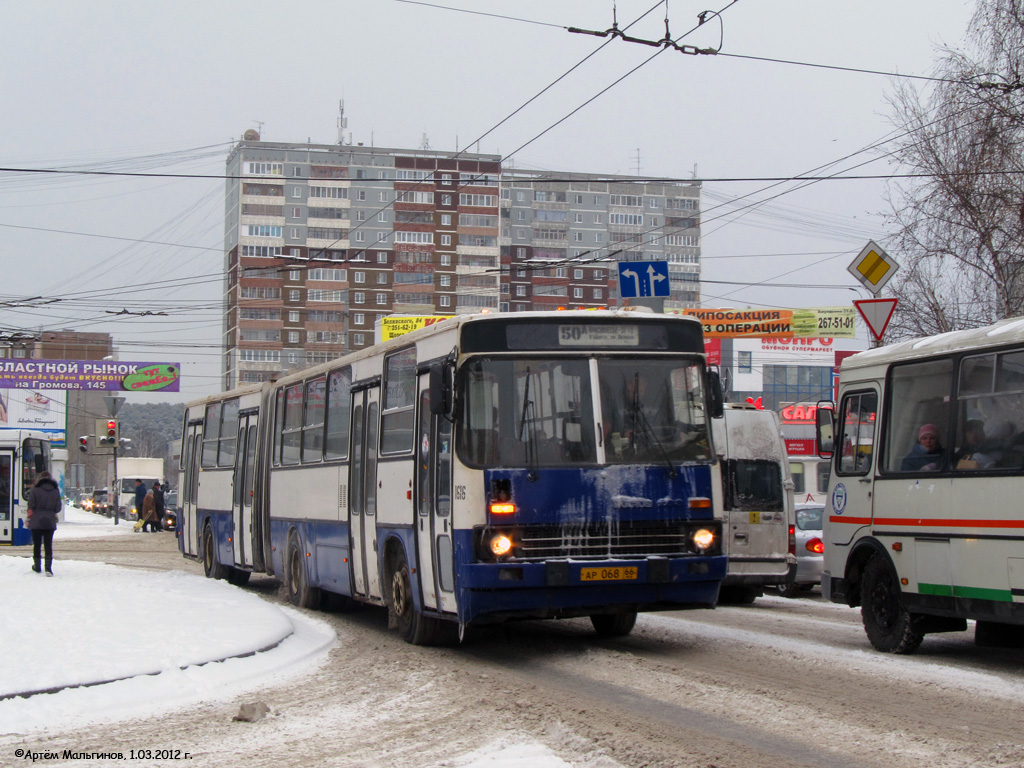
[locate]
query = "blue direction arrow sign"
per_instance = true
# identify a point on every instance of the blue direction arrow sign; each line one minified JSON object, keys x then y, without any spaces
{"x":643,"y":278}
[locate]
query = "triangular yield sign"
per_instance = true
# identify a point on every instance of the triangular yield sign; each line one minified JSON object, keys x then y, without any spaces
{"x":876,"y":313}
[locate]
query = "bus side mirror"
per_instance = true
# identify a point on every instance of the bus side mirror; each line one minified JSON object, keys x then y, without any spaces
{"x":440,"y":389}
{"x":824,"y":429}
{"x":716,"y":395}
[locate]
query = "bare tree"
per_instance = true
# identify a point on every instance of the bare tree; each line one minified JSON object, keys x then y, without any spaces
{"x":959,"y":227}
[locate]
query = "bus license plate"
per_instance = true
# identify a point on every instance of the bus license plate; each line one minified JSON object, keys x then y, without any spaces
{"x":608,"y":574}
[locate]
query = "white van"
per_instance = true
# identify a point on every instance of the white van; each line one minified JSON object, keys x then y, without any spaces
{"x":759,"y":533}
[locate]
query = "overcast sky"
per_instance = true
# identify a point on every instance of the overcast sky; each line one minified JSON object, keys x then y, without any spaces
{"x":166,"y":87}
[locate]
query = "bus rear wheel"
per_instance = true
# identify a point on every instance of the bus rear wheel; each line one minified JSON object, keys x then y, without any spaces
{"x":414,"y":627}
{"x":889,"y":626}
{"x":300,"y":593}
{"x":613,"y":624}
{"x":211,"y":566}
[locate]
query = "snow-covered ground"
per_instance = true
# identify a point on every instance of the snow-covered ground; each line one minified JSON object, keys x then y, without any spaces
{"x":167,"y":640}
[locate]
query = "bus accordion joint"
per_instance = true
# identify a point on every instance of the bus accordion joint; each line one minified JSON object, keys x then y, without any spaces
{"x":700,"y":502}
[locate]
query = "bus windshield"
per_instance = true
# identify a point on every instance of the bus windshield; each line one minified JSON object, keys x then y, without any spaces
{"x":542,"y":411}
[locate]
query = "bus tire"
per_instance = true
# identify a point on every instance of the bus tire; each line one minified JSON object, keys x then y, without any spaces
{"x":300,"y":593}
{"x":414,"y":627}
{"x":889,"y":626}
{"x":613,"y":624}
{"x":211,"y":566}
{"x":238,"y":577}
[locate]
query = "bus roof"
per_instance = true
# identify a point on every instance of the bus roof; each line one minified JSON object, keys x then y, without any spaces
{"x":998,"y":334}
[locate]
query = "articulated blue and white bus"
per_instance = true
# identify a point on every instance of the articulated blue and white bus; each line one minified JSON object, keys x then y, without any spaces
{"x":23,"y":455}
{"x":487,"y":467}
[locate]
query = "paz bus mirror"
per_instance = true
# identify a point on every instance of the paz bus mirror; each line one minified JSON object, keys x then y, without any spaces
{"x":716,"y":395}
{"x":824,"y":427}
{"x":440,"y":389}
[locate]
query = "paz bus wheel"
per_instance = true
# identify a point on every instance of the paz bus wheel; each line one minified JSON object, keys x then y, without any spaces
{"x":889,"y":626}
{"x":211,"y":566}
{"x":238,"y":577}
{"x":414,"y":627}
{"x":300,"y":593}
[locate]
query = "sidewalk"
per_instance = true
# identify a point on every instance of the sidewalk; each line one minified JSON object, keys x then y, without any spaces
{"x":75,"y":635}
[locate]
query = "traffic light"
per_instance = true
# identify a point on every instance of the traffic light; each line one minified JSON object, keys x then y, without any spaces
{"x":106,"y":432}
{"x":83,"y":443}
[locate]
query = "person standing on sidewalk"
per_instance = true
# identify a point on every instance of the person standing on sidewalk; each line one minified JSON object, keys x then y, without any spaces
{"x":158,"y":501}
{"x":43,"y":507}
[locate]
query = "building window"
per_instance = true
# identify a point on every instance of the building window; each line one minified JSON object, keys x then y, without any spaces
{"x":446,"y":259}
{"x":520,"y":290}
{"x":561,"y":272}
{"x":577,"y":293}
{"x":293,"y":295}
{"x":359,"y":298}
{"x":446,"y":199}
{"x":297,"y":192}
{"x":293,"y":337}
{"x":382,"y":237}
{"x":382,"y":216}
{"x":382,"y":257}
{"x":446,"y":219}
{"x":382,"y":197}
{"x":358,"y":277}
{"x":578,"y":199}
{"x":358,"y":339}
{"x":446,"y":281}
{"x":446,"y":239}
{"x":360,"y":237}
{"x":382,"y":298}
{"x":360,"y":215}
{"x":599,"y":237}
{"x":293,"y":317}
{"x":358,"y":318}
{"x":577,"y":236}
{"x":744,"y":362}
{"x":598,"y":293}
{"x":382,"y":278}
{"x":446,"y":179}
{"x":446,"y":301}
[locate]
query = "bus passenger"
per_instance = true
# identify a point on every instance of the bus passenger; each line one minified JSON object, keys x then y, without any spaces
{"x":43,"y":507}
{"x":926,"y":455}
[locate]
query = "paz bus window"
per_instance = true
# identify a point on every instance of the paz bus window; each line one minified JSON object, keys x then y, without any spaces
{"x":856,"y":439}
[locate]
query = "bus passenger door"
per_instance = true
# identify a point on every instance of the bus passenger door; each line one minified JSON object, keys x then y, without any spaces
{"x":7,"y":521}
{"x":363,"y":493}
{"x":851,"y":502}
{"x":241,"y":504}
{"x":188,"y":491}
{"x":434,"y":506}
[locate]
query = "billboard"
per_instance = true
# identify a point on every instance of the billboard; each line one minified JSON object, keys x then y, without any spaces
{"x":34,"y":409}
{"x":95,"y":375}
{"x":814,"y":323}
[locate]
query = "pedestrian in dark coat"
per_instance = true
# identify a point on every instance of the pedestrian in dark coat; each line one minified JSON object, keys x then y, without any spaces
{"x":140,"y":496}
{"x":44,"y":505}
{"x":158,"y":501}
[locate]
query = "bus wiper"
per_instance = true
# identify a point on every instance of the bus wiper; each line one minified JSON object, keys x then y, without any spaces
{"x":528,"y":431}
{"x":647,"y":431}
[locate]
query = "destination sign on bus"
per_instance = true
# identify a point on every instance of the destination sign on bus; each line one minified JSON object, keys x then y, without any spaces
{"x":598,"y":335}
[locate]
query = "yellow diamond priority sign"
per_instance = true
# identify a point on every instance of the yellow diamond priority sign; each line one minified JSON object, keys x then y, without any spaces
{"x":873,"y":267}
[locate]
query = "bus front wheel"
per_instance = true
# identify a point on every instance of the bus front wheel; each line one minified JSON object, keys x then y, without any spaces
{"x":211,"y":566}
{"x":300,"y":593}
{"x":414,"y":627}
{"x":889,"y":626}
{"x":613,"y":624}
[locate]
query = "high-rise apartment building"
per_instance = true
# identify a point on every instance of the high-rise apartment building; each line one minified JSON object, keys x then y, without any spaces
{"x":323,"y":240}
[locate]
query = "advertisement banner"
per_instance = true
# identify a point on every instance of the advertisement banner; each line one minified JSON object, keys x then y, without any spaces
{"x":815,"y":323}
{"x":33,"y":409}
{"x":392,"y":327}
{"x":96,"y":375}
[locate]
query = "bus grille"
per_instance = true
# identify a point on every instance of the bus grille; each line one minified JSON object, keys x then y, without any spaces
{"x":602,"y":541}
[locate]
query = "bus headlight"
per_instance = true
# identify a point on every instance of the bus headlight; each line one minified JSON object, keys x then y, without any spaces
{"x":501,"y":545}
{"x":703,"y":539}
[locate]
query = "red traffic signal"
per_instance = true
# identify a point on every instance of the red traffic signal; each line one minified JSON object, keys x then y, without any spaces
{"x":111,"y":428}
{"x":83,"y":443}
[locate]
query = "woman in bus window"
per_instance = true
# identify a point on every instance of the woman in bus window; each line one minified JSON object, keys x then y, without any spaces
{"x":926,"y":455}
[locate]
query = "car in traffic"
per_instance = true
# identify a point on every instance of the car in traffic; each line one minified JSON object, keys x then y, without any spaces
{"x":100,"y":503}
{"x":810,"y":550}
{"x":169,"y":522}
